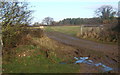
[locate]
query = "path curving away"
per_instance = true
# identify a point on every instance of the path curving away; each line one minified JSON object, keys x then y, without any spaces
{"x":81,"y":43}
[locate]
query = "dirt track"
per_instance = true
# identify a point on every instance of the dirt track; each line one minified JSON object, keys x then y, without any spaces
{"x":109,"y":52}
{"x":80,"y":43}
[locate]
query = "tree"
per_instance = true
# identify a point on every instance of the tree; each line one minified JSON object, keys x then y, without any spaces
{"x":36,"y":24}
{"x":105,"y":12}
{"x":14,"y":13}
{"x":48,"y":21}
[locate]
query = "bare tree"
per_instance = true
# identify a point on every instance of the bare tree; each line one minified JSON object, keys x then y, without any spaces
{"x":14,"y":13}
{"x":105,"y":12}
{"x":36,"y":24}
{"x":48,"y":21}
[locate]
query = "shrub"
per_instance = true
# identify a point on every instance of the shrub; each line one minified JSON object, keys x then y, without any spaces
{"x":14,"y":36}
{"x":11,"y":35}
{"x":109,"y":35}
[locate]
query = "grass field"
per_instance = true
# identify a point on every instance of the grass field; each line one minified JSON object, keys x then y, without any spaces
{"x":70,"y":30}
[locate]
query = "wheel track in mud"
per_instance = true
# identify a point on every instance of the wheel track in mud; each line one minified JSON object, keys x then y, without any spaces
{"x":81,"y":43}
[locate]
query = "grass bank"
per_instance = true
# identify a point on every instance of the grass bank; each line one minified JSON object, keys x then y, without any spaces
{"x":37,"y":56}
{"x":31,"y":59}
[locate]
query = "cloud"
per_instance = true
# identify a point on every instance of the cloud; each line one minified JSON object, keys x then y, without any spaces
{"x":75,"y":0}
{"x":63,"y":0}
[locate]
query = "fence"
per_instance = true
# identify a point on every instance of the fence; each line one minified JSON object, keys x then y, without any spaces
{"x":89,"y":28}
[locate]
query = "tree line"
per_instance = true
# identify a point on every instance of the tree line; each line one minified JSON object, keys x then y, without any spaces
{"x":79,"y":21}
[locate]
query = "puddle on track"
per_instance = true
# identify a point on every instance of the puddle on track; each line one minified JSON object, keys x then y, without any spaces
{"x":91,"y":63}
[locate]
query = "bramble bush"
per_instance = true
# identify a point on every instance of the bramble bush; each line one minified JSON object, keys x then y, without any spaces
{"x":108,"y":34}
{"x":15,"y":36}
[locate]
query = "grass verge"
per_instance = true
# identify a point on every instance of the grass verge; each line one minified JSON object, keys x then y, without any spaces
{"x":33,"y":59}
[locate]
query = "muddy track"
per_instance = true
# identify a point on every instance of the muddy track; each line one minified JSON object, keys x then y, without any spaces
{"x":109,"y":52}
{"x":80,"y":43}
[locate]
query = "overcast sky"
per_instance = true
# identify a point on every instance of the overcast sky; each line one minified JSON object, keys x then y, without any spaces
{"x":60,"y":9}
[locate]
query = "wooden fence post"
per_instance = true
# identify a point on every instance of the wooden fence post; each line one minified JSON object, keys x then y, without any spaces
{"x":81,"y":29}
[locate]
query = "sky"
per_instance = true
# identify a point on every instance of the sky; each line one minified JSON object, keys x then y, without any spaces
{"x":61,"y":9}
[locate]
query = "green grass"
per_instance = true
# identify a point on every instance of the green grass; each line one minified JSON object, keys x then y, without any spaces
{"x":36,"y":62}
{"x":70,"y":30}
